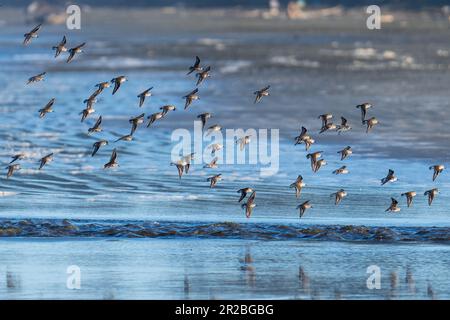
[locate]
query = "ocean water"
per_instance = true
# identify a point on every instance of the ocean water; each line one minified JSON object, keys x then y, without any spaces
{"x":311,"y":71}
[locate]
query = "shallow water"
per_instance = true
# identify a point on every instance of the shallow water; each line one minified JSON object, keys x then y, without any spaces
{"x":220,"y":269}
{"x":313,"y":68}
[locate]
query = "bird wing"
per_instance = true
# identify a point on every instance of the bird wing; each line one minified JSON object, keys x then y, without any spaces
{"x":98,"y":122}
{"x":113,"y":156}
{"x":180,"y":170}
{"x":197,"y":62}
{"x":214,"y":161}
{"x":243,"y":194}
{"x":36,"y":29}
{"x":72,"y":54}
{"x":116,"y":85}
{"x":96,"y":147}
{"x":304,"y":130}
{"x":80,"y":46}
{"x":49,"y":104}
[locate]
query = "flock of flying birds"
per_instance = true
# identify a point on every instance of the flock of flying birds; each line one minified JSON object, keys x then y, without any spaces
{"x":184,"y":163}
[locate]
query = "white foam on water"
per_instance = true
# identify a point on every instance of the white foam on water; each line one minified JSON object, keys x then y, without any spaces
{"x":7,"y":193}
{"x":292,"y":61}
{"x":235,"y":66}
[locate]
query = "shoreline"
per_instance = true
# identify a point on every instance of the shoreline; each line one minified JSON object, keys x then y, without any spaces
{"x":116,"y":229}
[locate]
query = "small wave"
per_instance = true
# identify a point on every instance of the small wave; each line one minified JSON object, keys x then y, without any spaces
{"x":119,"y":62}
{"x":7,"y":193}
{"x":291,"y":61}
{"x":235,"y":66}
{"x":161,"y":197}
{"x":223,"y":230}
{"x":216,"y":43}
{"x":40,"y":57}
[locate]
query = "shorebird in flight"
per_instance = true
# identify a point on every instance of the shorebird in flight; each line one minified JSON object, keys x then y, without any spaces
{"x":308,"y":143}
{"x":144,"y":95}
{"x":196,"y":66}
{"x":47,"y":108}
{"x":389,"y":178}
{"x":244,"y":192}
{"x":347,"y":151}
{"x":97,"y":126}
{"x":298,"y":186}
{"x":300,"y":138}
{"x":48,"y":158}
{"x":11,"y":168}
{"x":394,"y":206}
{"x":61,"y":47}
{"x":409,"y":197}
{"x":190,"y":97}
{"x":117,"y":82}
{"x":437,"y":169}
{"x":370,"y":123}
{"x":243,"y":141}
{"x":167,"y":108}
{"x":319,"y":164}
{"x":314,"y":156}
{"x":344,"y":126}
{"x":204,"y":117}
{"x":86,"y":112}
{"x":249,"y":205}
{"x":341,"y":170}
{"x":431,"y":194}
{"x":212,"y":164}
{"x":203,"y":75}
{"x":36,"y":78}
{"x":328,"y":127}
{"x":363,"y":107}
{"x":102,"y":86}
{"x":303,"y":207}
{"x":75,"y":50}
{"x":215,"y":147}
{"x":32,"y":34}
{"x":112,"y":161}
{"x":187,"y":160}
{"x":153,"y":117}
{"x":135,"y":122}
{"x":213,"y":128}
{"x":127,"y":137}
{"x":264,"y":92}
{"x":304,"y":138}
{"x":91,"y":100}
{"x":19,"y":156}
{"x":180,"y":164}
{"x":325,"y":118}
{"x":214,"y":179}
{"x":97,"y":145}
{"x":338,"y":196}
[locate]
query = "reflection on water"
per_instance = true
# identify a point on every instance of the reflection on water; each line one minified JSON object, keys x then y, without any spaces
{"x":221,"y":269}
